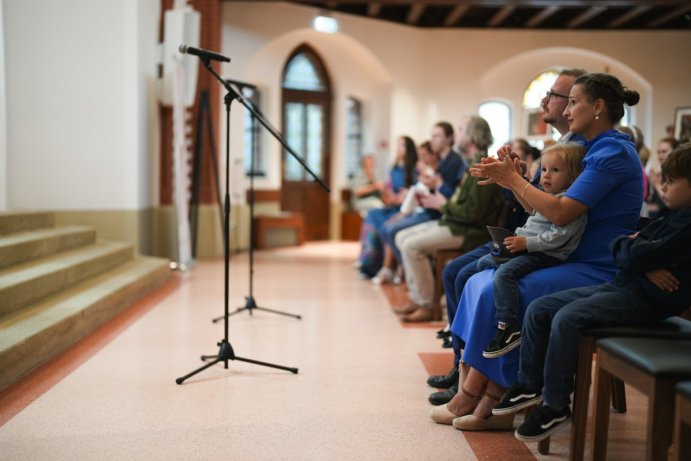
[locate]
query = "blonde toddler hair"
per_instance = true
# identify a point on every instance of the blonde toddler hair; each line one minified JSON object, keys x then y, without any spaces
{"x":571,"y":154}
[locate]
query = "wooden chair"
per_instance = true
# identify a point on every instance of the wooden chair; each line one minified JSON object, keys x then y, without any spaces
{"x":441,"y":259}
{"x":672,"y":328}
{"x":654,"y":367}
{"x":266,"y":222}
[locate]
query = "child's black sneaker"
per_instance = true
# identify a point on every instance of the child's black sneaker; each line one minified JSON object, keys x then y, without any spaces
{"x":517,"y":398}
{"x":505,"y":341}
{"x":541,"y":423}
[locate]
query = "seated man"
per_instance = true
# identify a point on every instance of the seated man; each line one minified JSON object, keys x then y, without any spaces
{"x":463,"y":224}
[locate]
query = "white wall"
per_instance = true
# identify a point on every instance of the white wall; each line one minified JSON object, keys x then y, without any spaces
{"x":79,"y":92}
{"x":3,"y":119}
{"x":444,"y":74}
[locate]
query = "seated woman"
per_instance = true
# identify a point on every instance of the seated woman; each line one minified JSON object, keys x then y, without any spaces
{"x":402,"y":175}
{"x":427,"y":165}
{"x":528,"y":154}
{"x":609,"y":190}
{"x":366,"y":190}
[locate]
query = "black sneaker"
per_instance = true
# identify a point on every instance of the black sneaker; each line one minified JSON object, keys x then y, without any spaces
{"x":444,"y":381}
{"x":505,"y":341}
{"x":516,"y":398}
{"x":541,"y":423}
{"x":442,"y":397}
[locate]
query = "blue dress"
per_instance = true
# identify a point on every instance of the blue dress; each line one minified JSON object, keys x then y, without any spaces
{"x":611,"y":185}
{"x":371,"y":250}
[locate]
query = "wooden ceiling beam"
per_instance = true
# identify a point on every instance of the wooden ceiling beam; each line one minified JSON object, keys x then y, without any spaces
{"x":456,"y":15}
{"x":585,"y":16}
{"x":416,"y":10}
{"x":541,"y":16}
{"x":502,"y":3}
{"x":683,"y":9}
{"x":501,"y":16}
{"x":624,"y":18}
{"x":373,"y":9}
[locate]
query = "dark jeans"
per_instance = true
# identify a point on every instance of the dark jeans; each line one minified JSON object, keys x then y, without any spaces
{"x":507,"y":301}
{"x":454,"y":278}
{"x":552,"y":328}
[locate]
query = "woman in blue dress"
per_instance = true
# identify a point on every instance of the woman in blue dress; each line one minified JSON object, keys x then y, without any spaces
{"x":610,"y":190}
{"x":402,"y":175}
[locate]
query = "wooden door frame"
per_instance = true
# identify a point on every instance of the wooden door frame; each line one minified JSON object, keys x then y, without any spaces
{"x":322,"y":98}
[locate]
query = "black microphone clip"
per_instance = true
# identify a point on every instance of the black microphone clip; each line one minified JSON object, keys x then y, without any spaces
{"x":205,"y":54}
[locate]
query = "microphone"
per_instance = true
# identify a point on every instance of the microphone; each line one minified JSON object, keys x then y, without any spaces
{"x":184,"y":49}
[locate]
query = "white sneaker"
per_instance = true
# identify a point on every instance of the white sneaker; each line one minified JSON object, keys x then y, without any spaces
{"x":398,"y":275}
{"x":385,"y":275}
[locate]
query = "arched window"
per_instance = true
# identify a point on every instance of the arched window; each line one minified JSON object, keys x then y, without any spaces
{"x":498,"y":115}
{"x":353,"y":136}
{"x":307,"y":130}
{"x":303,"y":73}
{"x":306,"y":101}
{"x":534,"y":128}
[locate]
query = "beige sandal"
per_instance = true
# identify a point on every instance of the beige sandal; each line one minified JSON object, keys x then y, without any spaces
{"x":491,"y":423}
{"x":443,"y":415}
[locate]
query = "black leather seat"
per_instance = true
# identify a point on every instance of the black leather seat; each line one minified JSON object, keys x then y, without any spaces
{"x":654,"y":367}
{"x":672,"y":328}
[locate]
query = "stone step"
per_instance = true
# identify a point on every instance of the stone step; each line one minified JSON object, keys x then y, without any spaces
{"x":40,"y":332}
{"x":17,"y":221}
{"x":27,"y":283}
{"x":24,"y":246}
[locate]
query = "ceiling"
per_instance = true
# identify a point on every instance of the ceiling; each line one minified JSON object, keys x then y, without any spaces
{"x":522,"y":14}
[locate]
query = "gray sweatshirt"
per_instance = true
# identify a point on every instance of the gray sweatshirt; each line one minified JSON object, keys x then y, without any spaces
{"x":557,"y":241}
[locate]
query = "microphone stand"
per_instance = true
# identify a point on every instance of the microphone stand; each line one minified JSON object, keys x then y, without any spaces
{"x":225,"y":351}
{"x":250,"y":303}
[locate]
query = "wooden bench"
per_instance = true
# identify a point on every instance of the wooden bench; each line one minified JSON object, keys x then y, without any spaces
{"x":351,"y":221}
{"x":266,"y":222}
{"x":441,"y":259}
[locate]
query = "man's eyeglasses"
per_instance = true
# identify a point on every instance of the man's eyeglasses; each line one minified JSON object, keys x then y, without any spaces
{"x":549,"y":94}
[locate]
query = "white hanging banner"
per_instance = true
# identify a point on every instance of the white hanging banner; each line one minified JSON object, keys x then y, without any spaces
{"x":181,"y":182}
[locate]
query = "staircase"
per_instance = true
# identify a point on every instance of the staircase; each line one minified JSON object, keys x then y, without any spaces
{"x":59,"y":284}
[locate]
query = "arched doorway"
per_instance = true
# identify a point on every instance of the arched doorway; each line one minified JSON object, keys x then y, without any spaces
{"x":306,"y":91}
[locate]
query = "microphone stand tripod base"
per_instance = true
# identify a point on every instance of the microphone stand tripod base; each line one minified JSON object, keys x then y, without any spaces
{"x":250,"y":305}
{"x":225,"y":353}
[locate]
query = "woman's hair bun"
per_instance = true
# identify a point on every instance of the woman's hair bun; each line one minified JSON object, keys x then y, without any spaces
{"x":631,"y":97}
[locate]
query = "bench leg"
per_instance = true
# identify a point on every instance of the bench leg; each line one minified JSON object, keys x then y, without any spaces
{"x":603,"y":388}
{"x":581,"y":397}
{"x":660,"y":419}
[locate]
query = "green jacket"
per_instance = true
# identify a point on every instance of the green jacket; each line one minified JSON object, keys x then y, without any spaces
{"x":472,"y":208}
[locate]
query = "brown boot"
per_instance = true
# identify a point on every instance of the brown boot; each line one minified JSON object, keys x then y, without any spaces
{"x":421,"y":315}
{"x":407,"y":309}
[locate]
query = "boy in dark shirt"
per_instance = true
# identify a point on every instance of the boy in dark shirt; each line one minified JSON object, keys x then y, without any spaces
{"x":653,"y":283}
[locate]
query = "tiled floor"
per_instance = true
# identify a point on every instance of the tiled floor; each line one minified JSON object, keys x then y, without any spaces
{"x":360,"y":392}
